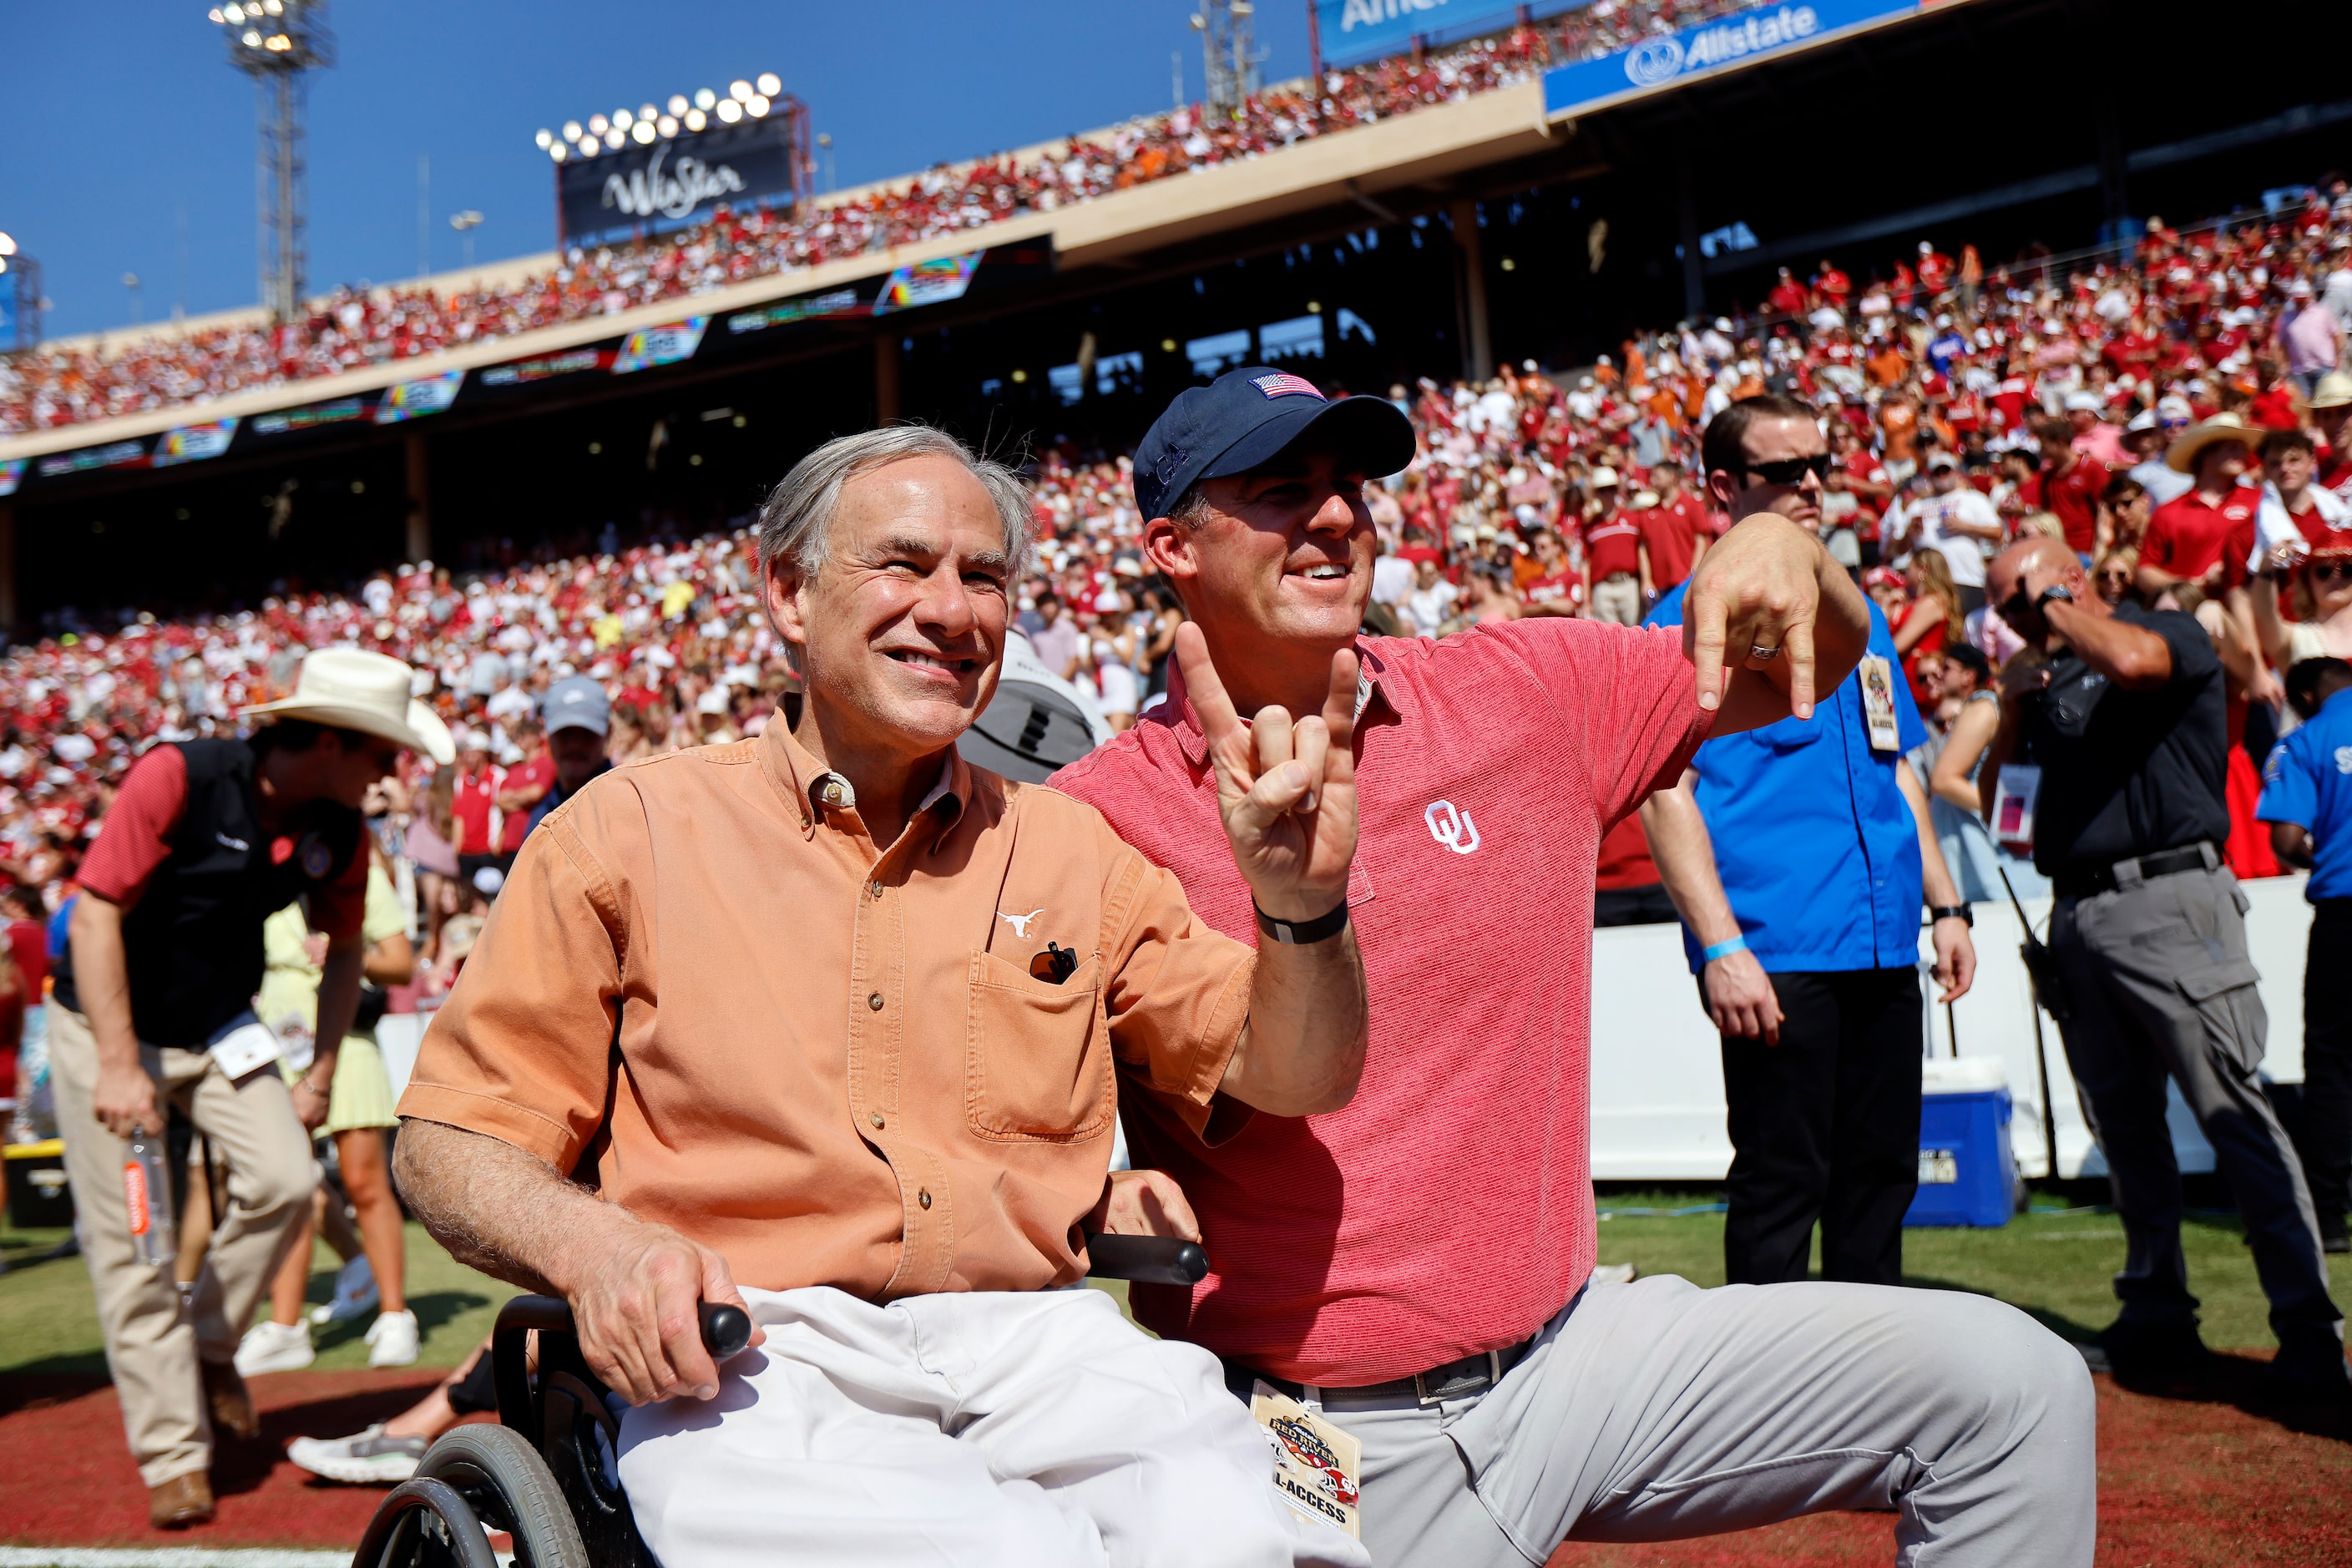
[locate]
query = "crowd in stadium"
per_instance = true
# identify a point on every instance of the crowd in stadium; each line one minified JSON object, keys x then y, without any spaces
{"x":1967,"y":405}
{"x":355,"y":327}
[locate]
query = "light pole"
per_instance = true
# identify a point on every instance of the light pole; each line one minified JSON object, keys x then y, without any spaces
{"x":277,"y":42}
{"x":138,"y":300}
{"x":824,"y":141}
{"x":465,"y":222}
{"x":20,"y":296}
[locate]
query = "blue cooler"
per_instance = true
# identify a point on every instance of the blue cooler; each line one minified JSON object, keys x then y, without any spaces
{"x":1967,"y":1173}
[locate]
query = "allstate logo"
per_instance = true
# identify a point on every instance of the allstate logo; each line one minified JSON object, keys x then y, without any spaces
{"x":1659,"y":59}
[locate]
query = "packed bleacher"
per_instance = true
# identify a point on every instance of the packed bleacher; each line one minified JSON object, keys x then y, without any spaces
{"x":2048,"y":395}
{"x":352,"y":328}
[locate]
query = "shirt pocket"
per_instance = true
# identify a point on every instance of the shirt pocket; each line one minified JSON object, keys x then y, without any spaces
{"x":1037,"y":1058}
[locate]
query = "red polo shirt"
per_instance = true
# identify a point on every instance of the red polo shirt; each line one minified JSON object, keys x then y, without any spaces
{"x":472,"y":801}
{"x":2186,"y":535}
{"x":1611,"y":542}
{"x":1672,"y":531}
{"x":1448,"y":1208}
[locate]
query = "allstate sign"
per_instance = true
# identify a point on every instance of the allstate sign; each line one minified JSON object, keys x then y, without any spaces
{"x":1660,"y":61}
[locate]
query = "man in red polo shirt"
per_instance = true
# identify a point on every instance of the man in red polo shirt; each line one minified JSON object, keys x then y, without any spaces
{"x":1418,"y":1265}
{"x":1612,"y":557}
{"x":1674,"y":530}
{"x":2189,"y":537}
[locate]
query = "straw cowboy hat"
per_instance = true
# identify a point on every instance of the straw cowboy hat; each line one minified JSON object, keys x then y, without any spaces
{"x":2181,"y":456}
{"x":346,"y":689}
{"x":2333,"y":390}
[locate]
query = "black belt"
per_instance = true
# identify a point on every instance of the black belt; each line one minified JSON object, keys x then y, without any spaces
{"x":2084,"y":883}
{"x":1449,"y":1379}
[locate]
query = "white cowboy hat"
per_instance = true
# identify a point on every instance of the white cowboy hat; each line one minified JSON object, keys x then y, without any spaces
{"x":2181,"y":456}
{"x":2333,"y":390}
{"x":348,"y":689}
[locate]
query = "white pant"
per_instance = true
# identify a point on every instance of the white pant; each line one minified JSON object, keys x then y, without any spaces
{"x":1026,"y":1429}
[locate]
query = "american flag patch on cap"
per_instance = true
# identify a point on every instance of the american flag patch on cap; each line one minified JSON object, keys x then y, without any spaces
{"x":1283,"y":385}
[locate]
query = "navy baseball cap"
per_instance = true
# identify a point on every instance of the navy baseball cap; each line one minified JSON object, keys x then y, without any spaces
{"x":576,"y":702}
{"x":1248,"y":416}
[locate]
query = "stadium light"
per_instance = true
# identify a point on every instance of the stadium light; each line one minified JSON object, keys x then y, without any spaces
{"x":678,"y":114}
{"x":7,"y":246}
{"x":277,"y":42}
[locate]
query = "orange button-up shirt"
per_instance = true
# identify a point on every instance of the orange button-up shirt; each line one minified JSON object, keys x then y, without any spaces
{"x":706,"y":989}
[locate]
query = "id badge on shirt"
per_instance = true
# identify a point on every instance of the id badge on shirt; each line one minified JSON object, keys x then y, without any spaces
{"x":1877,"y":672}
{"x":1317,"y":1467}
{"x":2013,"y":796}
{"x":245,"y":1045}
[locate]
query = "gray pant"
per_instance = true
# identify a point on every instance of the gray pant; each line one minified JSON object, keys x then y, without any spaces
{"x":1657,"y":1411}
{"x":2158,"y":983}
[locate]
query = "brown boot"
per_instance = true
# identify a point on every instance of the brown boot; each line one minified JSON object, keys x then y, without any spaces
{"x":181,"y":1501}
{"x":232,"y":1406}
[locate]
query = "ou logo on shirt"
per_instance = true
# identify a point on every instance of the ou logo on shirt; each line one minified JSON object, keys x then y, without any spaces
{"x":1451,"y":827}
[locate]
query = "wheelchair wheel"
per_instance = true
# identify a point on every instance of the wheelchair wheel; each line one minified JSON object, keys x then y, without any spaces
{"x":498,"y":1471}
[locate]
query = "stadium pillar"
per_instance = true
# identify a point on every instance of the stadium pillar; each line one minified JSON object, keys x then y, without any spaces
{"x":1470,"y":293}
{"x":885,"y":378}
{"x":420,"y":497}
{"x":8,"y":566}
{"x":1687,"y":214}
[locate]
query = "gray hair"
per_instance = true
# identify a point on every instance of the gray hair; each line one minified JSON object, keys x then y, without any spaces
{"x":796,"y":522}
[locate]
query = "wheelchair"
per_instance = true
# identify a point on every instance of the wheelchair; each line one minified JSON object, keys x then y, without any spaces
{"x":545,"y":1473}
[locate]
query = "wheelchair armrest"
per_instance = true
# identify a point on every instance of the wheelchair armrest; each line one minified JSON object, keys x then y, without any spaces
{"x":1147,"y":1260}
{"x":725,"y":1329}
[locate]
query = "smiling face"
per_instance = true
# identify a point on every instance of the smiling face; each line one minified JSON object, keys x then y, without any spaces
{"x":1280,"y":566}
{"x":900,"y":632}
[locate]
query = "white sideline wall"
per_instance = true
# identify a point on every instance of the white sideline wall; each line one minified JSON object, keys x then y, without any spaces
{"x":1657,"y":1068}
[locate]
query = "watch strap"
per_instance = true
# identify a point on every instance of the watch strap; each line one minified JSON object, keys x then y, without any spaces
{"x":1301,"y":934}
{"x":1963,"y":914}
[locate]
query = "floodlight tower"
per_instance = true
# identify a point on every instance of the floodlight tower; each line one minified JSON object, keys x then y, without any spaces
{"x":278,"y":43}
{"x":1228,"y":30}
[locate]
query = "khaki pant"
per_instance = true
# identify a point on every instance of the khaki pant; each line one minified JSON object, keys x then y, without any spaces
{"x":151,"y":1347}
{"x":1618,"y":597}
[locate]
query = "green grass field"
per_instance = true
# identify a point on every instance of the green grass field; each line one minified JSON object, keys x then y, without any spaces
{"x":2055,"y":1264}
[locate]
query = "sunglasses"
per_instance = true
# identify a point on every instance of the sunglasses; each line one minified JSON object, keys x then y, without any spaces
{"x":1792,"y":470}
{"x":2331,"y":571}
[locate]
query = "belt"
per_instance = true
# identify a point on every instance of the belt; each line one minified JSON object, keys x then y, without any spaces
{"x":1449,"y":1379}
{"x":2083,"y":884}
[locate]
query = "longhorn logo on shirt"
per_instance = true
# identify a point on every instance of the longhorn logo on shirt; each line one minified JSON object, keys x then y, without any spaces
{"x":1020,"y":923}
{"x":1451,"y":827}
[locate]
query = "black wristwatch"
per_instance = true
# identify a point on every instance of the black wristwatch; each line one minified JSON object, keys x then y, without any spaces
{"x":1300,"y":934}
{"x":2056,"y":591}
{"x":1963,"y":914}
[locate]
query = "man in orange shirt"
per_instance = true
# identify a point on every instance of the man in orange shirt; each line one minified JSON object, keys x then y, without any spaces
{"x":838,"y":1015}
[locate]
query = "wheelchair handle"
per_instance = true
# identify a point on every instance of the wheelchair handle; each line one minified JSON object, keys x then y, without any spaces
{"x":1147,"y":1260}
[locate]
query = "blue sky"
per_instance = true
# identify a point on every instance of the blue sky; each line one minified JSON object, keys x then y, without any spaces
{"x":130,"y":130}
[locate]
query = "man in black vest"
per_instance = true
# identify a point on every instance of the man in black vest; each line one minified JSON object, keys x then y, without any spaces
{"x":207,"y":840}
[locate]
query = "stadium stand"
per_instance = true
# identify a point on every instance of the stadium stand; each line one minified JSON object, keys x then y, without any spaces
{"x":80,"y":383}
{"x":1986,"y":363}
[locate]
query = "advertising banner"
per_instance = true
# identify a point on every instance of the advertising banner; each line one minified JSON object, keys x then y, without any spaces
{"x":1655,"y":64}
{"x":11,"y":474}
{"x":416,"y":399}
{"x":678,"y":178}
{"x":114,"y":454}
{"x":1362,"y":29}
{"x":311,"y":416}
{"x":593,"y":358}
{"x":659,"y":345}
{"x":832,"y":302}
{"x":933,"y":282}
{"x":195,"y":443}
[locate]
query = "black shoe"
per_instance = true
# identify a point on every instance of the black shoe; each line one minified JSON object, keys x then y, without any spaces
{"x":2154,"y":1350}
{"x":2309,"y":1372}
{"x":2334,"y":1235}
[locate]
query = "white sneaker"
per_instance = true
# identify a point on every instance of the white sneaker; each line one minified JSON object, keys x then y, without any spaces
{"x":355,"y":1294}
{"x":393,"y":1338}
{"x":366,"y":1457}
{"x":273,"y":1347}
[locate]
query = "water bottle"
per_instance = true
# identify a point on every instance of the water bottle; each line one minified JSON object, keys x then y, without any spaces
{"x":147,"y":1194}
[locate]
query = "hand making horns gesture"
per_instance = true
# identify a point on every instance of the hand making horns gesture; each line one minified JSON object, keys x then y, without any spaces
{"x":1286,"y":788}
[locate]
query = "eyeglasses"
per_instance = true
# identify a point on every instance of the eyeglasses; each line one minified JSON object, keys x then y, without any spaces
{"x":1792,"y":470}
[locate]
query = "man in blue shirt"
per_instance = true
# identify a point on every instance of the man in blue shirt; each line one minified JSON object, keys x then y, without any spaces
{"x":2308,"y":800}
{"x":1797,"y":856}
